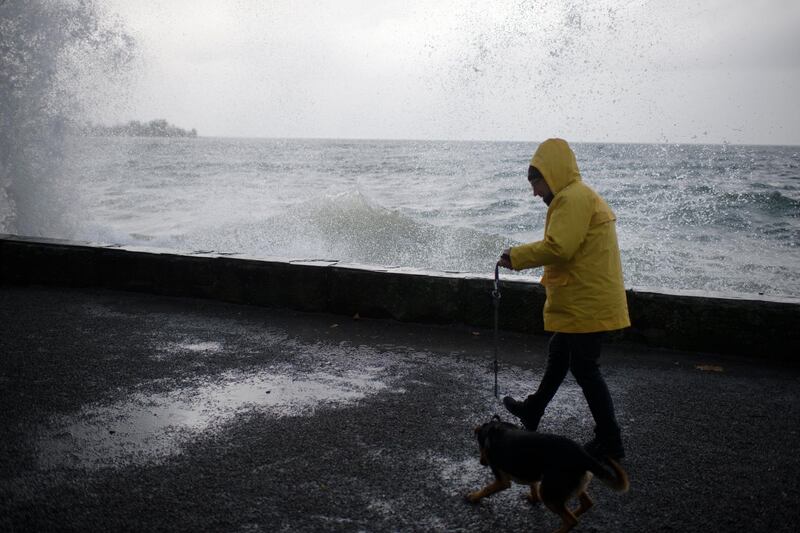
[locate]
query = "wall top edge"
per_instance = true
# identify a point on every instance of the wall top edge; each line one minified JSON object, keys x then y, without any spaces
{"x":506,"y":280}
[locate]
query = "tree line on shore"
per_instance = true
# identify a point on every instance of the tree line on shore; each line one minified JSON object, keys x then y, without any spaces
{"x":135,"y":128}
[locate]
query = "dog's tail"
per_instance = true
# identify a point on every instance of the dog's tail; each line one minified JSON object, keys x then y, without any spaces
{"x":615,"y":477}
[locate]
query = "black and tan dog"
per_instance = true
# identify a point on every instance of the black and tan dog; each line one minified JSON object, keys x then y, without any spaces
{"x":556,"y":468}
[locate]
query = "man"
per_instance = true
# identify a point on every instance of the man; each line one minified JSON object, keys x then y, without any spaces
{"x":584,"y":286}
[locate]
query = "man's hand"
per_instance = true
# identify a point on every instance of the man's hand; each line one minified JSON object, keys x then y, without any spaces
{"x":505,"y":259}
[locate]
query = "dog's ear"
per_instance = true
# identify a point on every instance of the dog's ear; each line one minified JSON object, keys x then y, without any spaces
{"x":481,"y":433}
{"x":492,"y":432}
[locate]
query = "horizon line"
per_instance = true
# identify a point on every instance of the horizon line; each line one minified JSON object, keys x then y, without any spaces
{"x":409,"y":139}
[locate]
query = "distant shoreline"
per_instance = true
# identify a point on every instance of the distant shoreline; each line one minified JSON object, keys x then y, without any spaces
{"x":135,"y":128}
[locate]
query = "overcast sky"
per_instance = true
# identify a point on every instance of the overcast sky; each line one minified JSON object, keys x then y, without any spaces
{"x":595,"y":70}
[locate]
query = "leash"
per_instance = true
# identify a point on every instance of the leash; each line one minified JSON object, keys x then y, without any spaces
{"x":496,"y":298}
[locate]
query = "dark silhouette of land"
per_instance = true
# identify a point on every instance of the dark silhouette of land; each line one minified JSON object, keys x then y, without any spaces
{"x":134,"y":128}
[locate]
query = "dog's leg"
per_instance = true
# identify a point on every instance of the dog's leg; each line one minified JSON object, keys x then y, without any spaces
{"x":534,"y":497}
{"x":495,"y":486}
{"x":568,"y":520}
{"x":586,"y":503}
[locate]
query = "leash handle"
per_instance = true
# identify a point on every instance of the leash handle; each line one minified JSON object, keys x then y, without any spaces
{"x":496,"y":298}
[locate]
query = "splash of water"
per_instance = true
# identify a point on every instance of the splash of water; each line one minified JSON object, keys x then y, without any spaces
{"x":57,"y":60}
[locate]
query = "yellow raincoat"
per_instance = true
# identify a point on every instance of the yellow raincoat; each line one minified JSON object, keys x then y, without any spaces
{"x":580,"y":254}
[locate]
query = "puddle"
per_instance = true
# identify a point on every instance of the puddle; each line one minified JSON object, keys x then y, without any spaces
{"x":200,"y":346}
{"x":171,"y":350}
{"x":144,"y":428}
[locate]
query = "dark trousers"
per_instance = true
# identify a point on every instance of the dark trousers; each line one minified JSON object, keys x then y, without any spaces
{"x":578,"y":353}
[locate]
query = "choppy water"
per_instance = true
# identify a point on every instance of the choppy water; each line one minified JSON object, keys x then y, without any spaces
{"x":690,"y":217}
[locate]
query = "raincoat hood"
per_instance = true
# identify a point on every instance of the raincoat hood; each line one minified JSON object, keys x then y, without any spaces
{"x":556,"y":161}
{"x":579,"y":250}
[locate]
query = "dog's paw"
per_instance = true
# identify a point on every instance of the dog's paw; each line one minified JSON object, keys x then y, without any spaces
{"x":473,"y":497}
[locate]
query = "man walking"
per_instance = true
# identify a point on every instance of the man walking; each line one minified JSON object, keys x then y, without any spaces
{"x":584,"y":286}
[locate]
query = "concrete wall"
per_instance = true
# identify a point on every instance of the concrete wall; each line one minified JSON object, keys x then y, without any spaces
{"x":766,"y":328}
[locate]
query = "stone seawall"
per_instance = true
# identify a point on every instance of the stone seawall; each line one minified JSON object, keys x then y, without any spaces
{"x":766,"y":328}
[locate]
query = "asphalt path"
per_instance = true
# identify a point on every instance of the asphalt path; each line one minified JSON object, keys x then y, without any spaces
{"x":132,"y":412}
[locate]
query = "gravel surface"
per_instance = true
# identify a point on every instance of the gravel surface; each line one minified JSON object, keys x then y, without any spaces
{"x":132,"y":412}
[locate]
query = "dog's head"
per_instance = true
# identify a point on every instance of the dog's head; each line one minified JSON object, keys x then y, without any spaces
{"x":486,"y":432}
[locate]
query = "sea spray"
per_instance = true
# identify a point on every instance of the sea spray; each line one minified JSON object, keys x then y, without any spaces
{"x":57,"y":60}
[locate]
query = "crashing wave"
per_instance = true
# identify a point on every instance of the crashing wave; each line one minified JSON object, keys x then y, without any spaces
{"x":56,"y":60}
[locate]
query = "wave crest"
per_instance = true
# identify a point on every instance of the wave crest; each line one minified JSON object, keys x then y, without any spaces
{"x":350,"y":227}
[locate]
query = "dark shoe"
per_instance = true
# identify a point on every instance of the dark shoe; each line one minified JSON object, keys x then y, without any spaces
{"x":602,"y":448}
{"x":528,"y":416}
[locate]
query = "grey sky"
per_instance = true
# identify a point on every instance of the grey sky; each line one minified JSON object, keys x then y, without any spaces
{"x":593,"y":70}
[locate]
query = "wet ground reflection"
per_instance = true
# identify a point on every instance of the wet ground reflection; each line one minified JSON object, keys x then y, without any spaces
{"x":148,"y":427}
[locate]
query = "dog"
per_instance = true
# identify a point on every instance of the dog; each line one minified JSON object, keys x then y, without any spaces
{"x":556,"y":468}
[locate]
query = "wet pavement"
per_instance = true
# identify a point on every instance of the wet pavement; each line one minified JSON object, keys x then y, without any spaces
{"x":122,"y":411}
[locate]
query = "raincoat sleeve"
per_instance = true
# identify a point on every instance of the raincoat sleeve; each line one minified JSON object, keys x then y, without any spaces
{"x":566,"y":229}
